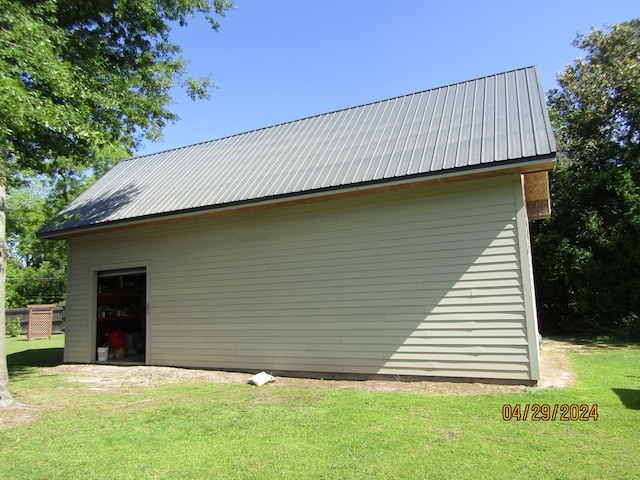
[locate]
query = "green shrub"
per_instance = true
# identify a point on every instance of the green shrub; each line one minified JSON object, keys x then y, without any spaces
{"x":13,"y":328}
{"x":629,"y":329}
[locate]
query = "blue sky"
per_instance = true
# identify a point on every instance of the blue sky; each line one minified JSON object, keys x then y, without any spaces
{"x":281,"y":60}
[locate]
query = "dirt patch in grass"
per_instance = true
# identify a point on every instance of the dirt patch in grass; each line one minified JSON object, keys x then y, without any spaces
{"x":555,"y":373}
{"x":555,"y":368}
{"x":555,"y":365}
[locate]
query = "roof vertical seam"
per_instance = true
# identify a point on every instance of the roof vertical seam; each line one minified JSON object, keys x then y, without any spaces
{"x":395,"y":151}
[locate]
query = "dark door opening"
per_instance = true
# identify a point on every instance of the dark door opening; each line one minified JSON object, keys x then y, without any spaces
{"x":121,"y":315}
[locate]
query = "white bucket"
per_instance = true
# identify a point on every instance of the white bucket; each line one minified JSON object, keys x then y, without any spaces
{"x":103,"y":354}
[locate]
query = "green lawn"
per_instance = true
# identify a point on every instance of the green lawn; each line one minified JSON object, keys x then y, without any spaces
{"x":203,"y":430}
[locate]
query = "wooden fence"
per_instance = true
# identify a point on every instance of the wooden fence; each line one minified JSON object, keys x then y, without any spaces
{"x":22,"y":315}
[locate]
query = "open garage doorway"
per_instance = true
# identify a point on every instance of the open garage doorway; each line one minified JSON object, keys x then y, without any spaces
{"x":121,"y":322}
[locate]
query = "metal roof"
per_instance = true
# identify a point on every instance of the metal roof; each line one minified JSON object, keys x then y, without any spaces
{"x":494,"y":121}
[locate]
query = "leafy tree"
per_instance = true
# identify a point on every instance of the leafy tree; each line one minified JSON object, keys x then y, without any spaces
{"x":81,"y":84}
{"x":587,"y":256}
{"x":35,"y":267}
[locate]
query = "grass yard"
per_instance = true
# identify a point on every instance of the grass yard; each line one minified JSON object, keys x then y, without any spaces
{"x":196,"y":429}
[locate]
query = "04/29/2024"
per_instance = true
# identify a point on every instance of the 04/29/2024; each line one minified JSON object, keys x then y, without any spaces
{"x":537,"y":412}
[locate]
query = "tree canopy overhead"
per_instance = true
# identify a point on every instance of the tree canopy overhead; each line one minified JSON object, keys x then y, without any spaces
{"x":587,"y":256}
{"x":82,"y":83}
{"x":89,"y":80}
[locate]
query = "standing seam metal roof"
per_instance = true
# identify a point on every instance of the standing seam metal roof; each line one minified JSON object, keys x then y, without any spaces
{"x":495,"y":120}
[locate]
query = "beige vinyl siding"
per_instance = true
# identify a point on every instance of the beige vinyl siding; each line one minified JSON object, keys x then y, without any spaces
{"x":424,"y":281}
{"x":78,"y":347}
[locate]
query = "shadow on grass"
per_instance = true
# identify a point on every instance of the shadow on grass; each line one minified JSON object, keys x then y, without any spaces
{"x":24,"y":363}
{"x":605,"y":343}
{"x":630,"y":398}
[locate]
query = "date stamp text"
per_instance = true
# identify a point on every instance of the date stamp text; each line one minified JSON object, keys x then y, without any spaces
{"x":544,"y":412}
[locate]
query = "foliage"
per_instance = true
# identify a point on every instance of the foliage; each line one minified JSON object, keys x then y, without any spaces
{"x":35,"y":285}
{"x":14,"y":328}
{"x":84,"y":82}
{"x":205,"y":429}
{"x":587,"y":256}
{"x":35,"y":268}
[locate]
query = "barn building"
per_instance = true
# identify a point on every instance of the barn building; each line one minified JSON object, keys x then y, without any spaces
{"x":385,"y":239}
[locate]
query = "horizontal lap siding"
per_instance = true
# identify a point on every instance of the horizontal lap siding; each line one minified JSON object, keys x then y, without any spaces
{"x":78,"y":347}
{"x":424,"y":281}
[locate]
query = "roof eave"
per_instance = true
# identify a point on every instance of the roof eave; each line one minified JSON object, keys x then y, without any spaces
{"x":518,"y":166}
